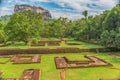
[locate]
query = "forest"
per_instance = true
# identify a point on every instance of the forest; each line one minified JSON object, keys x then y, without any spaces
{"x":28,"y":26}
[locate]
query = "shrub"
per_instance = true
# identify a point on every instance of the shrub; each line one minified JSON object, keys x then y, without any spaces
{"x":35,"y":40}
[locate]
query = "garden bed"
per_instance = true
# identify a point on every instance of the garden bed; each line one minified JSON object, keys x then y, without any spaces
{"x":5,"y":58}
{"x":49,"y":51}
{"x":10,"y":79}
{"x":73,"y":44}
{"x":63,"y":62}
{"x":49,"y":72}
{"x":53,"y":43}
{"x":26,"y":59}
{"x":49,"y":43}
{"x":111,"y":79}
{"x":38,"y":44}
{"x":30,"y":74}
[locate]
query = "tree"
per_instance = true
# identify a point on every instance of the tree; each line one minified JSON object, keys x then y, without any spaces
{"x":3,"y":36}
{"x":85,"y":13}
{"x":102,"y":28}
{"x":112,"y":25}
{"x":24,"y":26}
{"x":59,"y":27}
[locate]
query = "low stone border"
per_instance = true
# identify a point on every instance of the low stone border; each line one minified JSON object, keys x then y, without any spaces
{"x":63,"y":62}
{"x":3,"y":45}
{"x":49,"y":51}
{"x":73,"y":43}
{"x":0,"y":73}
{"x":6,"y":56}
{"x":53,"y":43}
{"x":110,"y":79}
{"x":38,"y":44}
{"x":49,"y":43}
{"x":30,"y":74}
{"x":10,"y":79}
{"x":33,"y":59}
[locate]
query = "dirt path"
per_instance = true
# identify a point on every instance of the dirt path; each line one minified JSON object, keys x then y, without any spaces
{"x":62,"y":75}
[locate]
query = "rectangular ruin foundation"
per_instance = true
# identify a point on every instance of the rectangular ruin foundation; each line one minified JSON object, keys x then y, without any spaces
{"x":73,"y":43}
{"x":30,"y":74}
{"x":10,"y":79}
{"x":49,"y":43}
{"x":29,"y":59}
{"x":111,"y":79}
{"x":63,"y":62}
{"x":38,"y":44}
{"x":53,"y":43}
{"x":5,"y":57}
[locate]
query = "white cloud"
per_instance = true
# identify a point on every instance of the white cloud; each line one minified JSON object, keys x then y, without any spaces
{"x":43,"y":0}
{"x":68,"y":15}
{"x":81,"y":5}
{"x":78,"y":6}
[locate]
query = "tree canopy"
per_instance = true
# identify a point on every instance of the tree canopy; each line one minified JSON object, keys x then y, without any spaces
{"x":103,"y":28}
{"x":24,"y":26}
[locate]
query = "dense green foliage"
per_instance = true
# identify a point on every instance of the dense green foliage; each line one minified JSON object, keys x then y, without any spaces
{"x":3,"y":36}
{"x":111,"y":34}
{"x":57,"y":28}
{"x":104,"y":28}
{"x":26,"y":26}
{"x":5,"y":18}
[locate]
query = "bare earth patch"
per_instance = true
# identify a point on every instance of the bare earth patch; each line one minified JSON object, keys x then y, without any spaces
{"x":10,"y":79}
{"x":30,"y":74}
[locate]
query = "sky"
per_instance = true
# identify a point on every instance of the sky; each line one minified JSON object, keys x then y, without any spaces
{"x":71,"y":9}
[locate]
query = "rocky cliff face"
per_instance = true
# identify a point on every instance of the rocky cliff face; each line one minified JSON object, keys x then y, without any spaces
{"x":19,"y":8}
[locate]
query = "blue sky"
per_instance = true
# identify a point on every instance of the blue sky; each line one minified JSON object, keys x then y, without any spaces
{"x":71,"y":9}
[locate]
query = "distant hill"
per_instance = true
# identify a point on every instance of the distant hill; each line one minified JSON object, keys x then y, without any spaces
{"x":45,"y":13}
{"x":5,"y":18}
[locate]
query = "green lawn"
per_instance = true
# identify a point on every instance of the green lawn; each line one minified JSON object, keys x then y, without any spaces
{"x":63,"y":45}
{"x":49,"y":71}
{"x":4,"y":59}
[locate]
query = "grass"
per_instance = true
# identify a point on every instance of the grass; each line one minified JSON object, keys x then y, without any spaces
{"x":4,"y":59}
{"x":48,"y":68}
{"x":25,"y":58}
{"x":49,"y":71}
{"x":63,"y":45}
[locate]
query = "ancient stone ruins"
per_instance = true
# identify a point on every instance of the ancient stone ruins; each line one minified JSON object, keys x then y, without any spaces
{"x":63,"y":62}
{"x":60,"y":62}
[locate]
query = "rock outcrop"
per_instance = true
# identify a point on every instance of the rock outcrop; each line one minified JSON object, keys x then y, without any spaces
{"x":45,"y":13}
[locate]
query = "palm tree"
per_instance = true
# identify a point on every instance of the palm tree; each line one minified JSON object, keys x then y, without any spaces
{"x":85,"y":13}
